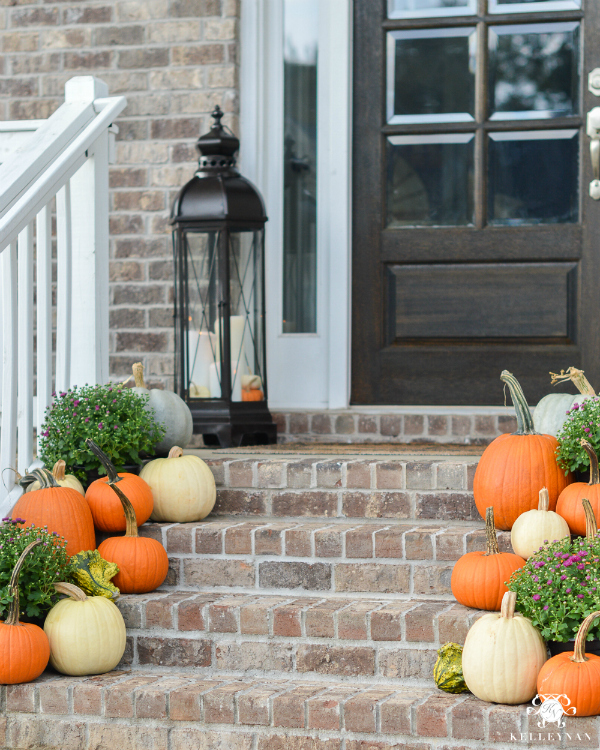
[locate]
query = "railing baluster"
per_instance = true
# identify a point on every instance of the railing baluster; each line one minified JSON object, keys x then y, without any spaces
{"x":63,"y":288}
{"x":25,"y":343}
{"x":8,"y":430}
{"x":44,"y":314}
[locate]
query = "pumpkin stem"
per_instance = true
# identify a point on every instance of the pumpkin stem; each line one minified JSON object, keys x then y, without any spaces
{"x":544,"y":501}
{"x":594,"y":474}
{"x":131,"y":528}
{"x":175,"y":452}
{"x":58,"y":470}
{"x":43,"y":476}
{"x":69,"y":589}
{"x":591,"y":527}
{"x":13,"y":585}
{"x":579,"y":650}
{"x":507,"y":608}
{"x":490,"y":533}
{"x":138,"y":374}
{"x":576,"y":377}
{"x":524,"y":418}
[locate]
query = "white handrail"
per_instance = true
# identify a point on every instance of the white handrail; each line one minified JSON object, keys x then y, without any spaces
{"x":65,"y":158}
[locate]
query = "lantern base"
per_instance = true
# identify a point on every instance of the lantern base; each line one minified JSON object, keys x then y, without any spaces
{"x":232,"y":424}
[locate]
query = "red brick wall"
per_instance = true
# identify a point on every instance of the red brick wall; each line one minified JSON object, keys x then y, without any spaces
{"x":173,"y":60}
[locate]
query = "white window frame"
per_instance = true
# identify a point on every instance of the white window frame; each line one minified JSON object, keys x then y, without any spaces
{"x":304,"y":370}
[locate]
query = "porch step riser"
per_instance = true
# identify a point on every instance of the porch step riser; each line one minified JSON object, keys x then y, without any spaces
{"x":379,"y":640}
{"x":180,"y":712}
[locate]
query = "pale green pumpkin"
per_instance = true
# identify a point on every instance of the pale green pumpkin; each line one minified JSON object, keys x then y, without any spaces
{"x":551,"y":412}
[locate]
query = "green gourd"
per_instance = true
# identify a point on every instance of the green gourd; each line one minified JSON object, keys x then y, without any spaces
{"x":93,"y":573}
{"x":447,"y":672}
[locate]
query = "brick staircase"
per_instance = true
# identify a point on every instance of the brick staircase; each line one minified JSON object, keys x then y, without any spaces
{"x":304,"y":614}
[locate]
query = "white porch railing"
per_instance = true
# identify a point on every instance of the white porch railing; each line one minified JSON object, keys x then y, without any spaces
{"x":65,"y":158}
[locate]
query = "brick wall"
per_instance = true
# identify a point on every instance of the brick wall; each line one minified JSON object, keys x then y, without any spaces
{"x":173,"y":60}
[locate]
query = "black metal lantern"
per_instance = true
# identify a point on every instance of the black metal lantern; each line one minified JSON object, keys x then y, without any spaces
{"x":218,"y":223}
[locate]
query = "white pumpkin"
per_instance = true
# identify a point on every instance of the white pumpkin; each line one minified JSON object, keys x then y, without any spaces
{"x":86,"y":633}
{"x":65,"y":480}
{"x":534,"y":527}
{"x":551,"y":412}
{"x":171,"y":411}
{"x":502,"y":656}
{"x":183,"y":487}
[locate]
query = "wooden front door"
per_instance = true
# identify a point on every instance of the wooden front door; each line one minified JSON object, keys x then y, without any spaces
{"x":476,"y":245}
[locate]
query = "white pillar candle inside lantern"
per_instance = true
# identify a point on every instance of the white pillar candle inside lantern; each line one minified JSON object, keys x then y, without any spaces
{"x":202,"y":351}
{"x":236,"y":328}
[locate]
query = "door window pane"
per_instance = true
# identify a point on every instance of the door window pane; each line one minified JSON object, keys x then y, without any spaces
{"x":430,"y":180}
{"x":534,"y":70}
{"x":529,"y":6}
{"x":300,"y":166}
{"x":423,"y":8}
{"x":533,"y":177}
{"x":431,"y":75}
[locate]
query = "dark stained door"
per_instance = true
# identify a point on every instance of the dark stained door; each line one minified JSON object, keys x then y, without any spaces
{"x":476,"y":245}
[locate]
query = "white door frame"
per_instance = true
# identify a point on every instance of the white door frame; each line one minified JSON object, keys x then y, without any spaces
{"x":304,"y":370}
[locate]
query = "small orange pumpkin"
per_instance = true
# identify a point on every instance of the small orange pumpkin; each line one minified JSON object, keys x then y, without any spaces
{"x":106,"y":508}
{"x":478,"y":577}
{"x":514,"y":467}
{"x":143,"y":563}
{"x":24,"y":647}
{"x":569,"y":501}
{"x":252,"y":394}
{"x":61,"y":509}
{"x":574,"y":674}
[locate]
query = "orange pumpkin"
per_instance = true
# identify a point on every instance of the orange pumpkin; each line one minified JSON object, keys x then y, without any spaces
{"x":252,"y":394}
{"x":61,"y":509}
{"x":106,"y":507}
{"x":143,"y":563}
{"x":478,"y":577}
{"x":569,"y":501}
{"x":574,"y":674}
{"x":513,"y":468}
{"x":24,"y":647}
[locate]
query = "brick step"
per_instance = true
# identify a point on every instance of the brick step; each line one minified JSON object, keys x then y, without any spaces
{"x":303,"y":485}
{"x":179,"y":711}
{"x":329,"y":556}
{"x":378,"y":640}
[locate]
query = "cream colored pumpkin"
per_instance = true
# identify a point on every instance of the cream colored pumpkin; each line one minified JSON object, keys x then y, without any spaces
{"x":183,"y":487}
{"x":65,"y":480}
{"x":86,"y":633}
{"x":535,"y":527}
{"x":502,"y":656}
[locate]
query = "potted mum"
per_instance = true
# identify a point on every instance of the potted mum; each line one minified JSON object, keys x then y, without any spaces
{"x":558,"y":587}
{"x":583,"y":421}
{"x":113,"y":416}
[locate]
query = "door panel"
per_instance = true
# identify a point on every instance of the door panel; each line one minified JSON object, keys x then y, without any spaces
{"x":473,"y":235}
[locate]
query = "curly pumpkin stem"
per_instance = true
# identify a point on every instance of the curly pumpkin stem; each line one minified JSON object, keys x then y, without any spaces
{"x":175,"y":452}
{"x":576,"y":377}
{"x":544,"y":501}
{"x":591,"y":527}
{"x":507,"y":608}
{"x":131,"y":528}
{"x":491,"y":537}
{"x":13,"y":586}
{"x":58,"y":470}
{"x":70,"y":590}
{"x":524,"y":418}
{"x":594,"y":474}
{"x":138,"y":374}
{"x":579,"y":650}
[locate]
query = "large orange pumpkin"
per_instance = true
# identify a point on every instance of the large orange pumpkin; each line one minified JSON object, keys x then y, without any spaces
{"x":106,"y":507}
{"x":513,"y":468}
{"x":61,"y":509}
{"x":478,"y":577}
{"x":24,"y":647}
{"x":569,"y":501}
{"x":574,"y":674}
{"x":143,"y":563}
